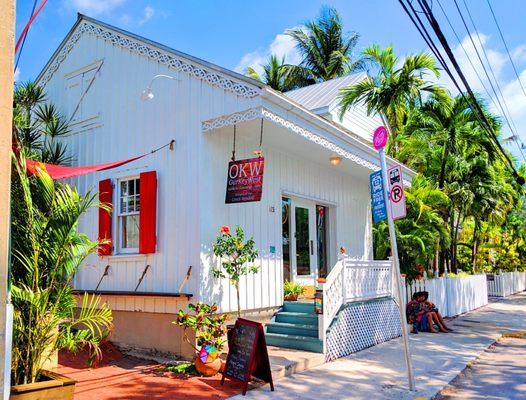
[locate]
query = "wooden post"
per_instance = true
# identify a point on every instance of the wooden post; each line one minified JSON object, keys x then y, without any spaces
{"x":7,"y":45}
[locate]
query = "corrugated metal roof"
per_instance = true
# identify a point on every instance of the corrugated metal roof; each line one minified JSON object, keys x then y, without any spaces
{"x":323,"y":94}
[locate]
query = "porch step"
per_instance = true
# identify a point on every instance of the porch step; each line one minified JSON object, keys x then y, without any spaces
{"x":297,"y":318}
{"x":294,"y":342}
{"x":293,"y":329}
{"x":299,"y":306}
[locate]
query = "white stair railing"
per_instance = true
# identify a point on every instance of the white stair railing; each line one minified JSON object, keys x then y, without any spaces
{"x":353,"y":280}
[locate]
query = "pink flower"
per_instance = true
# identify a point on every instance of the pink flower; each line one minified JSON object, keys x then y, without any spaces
{"x":225,"y":230}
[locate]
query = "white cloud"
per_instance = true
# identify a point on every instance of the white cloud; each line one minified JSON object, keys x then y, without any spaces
{"x":17,"y":74}
{"x":95,"y":7}
{"x":282,"y":46}
{"x":147,"y":15}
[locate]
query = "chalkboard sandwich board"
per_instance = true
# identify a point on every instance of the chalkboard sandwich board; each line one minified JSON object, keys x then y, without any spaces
{"x":247,"y":355}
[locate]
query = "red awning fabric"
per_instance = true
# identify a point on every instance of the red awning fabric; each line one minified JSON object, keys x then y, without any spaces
{"x":63,"y":172}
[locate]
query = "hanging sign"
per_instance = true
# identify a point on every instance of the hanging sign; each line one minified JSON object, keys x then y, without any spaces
{"x":396,"y":192}
{"x":245,"y":180}
{"x":247,"y":354}
{"x":377,"y":197}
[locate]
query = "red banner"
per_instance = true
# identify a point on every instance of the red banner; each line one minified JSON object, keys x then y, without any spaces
{"x":245,"y":180}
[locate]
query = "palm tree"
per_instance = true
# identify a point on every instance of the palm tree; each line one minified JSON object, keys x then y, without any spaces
{"x":47,"y":251}
{"x":274,"y":74}
{"x":395,"y":88}
{"x":325,"y":48}
{"x":38,"y":125}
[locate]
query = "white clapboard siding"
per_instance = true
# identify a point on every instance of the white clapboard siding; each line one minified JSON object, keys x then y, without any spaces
{"x":287,"y":173}
{"x":124,"y":127}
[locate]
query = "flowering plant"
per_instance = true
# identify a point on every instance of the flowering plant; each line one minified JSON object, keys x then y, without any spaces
{"x":209,"y":328}
{"x":236,"y":255}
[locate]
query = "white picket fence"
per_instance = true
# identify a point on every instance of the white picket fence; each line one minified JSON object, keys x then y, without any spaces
{"x":506,"y":284}
{"x":452,"y":296}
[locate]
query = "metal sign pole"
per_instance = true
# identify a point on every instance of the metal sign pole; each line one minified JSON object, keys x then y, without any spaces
{"x":396,"y":263}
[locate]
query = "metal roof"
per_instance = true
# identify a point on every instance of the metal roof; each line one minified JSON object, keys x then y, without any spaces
{"x":325,"y":93}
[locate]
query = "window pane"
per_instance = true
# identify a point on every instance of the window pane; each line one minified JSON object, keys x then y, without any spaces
{"x":123,"y":207}
{"x":303,"y":266}
{"x":321,"y":235}
{"x":130,"y":232}
{"x":285,"y":220}
{"x":124,"y":188}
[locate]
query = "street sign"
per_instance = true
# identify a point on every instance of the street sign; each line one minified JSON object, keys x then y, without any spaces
{"x":377,"y":197}
{"x":380,"y":137}
{"x":396,"y":192}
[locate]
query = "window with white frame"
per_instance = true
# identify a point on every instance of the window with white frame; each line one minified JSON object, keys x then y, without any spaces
{"x":128,"y":215}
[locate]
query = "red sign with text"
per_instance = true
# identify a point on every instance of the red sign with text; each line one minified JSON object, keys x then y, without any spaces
{"x":245,"y":180}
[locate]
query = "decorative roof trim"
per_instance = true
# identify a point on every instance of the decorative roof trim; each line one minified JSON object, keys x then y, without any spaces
{"x":136,"y":46}
{"x":260,"y":112}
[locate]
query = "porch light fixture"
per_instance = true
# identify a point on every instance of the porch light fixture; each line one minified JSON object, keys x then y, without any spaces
{"x":147,"y":93}
{"x":335,"y":160}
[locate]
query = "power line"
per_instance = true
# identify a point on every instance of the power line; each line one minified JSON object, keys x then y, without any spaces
{"x":24,"y":40}
{"x":471,"y":97}
{"x":506,"y":46}
{"x":514,"y":129}
{"x":502,"y":109}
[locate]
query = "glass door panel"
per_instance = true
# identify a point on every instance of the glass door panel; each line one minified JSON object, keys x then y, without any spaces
{"x":303,"y":241}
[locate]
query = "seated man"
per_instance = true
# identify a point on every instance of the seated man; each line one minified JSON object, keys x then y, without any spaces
{"x":432,"y":313}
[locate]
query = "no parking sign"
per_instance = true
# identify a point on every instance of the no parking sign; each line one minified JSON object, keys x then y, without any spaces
{"x":396,"y":192}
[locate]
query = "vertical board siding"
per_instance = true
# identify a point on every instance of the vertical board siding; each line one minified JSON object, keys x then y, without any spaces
{"x":348,"y":197}
{"x":126,"y":127}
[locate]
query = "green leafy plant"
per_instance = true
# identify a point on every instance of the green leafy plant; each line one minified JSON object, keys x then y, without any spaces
{"x":292,"y":290}
{"x":209,"y":327}
{"x":47,"y":251}
{"x":236,"y":256}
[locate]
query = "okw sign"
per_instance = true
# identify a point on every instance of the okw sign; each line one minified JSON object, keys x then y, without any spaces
{"x":245,"y":180}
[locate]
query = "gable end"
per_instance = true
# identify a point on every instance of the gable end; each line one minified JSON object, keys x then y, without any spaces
{"x":138,"y":47}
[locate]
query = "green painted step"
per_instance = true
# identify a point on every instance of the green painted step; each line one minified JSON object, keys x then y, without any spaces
{"x":299,"y":306}
{"x":297,"y":318}
{"x":294,"y":342}
{"x":293,"y":329}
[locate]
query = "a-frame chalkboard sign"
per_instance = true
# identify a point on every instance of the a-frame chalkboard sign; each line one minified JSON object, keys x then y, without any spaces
{"x":247,"y":354}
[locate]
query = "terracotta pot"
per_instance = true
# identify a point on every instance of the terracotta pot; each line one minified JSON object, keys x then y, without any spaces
{"x":209,"y":368}
{"x":291,"y":297}
{"x":53,"y":387}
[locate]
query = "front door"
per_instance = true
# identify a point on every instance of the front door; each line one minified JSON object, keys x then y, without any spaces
{"x":304,"y":240}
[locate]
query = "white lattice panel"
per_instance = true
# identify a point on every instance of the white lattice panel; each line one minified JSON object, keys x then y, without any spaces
{"x":362,"y":325}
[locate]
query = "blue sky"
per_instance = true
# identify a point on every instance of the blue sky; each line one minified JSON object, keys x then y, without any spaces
{"x":235,"y":34}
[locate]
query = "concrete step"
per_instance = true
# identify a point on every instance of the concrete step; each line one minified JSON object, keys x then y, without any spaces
{"x":294,"y":342}
{"x":297,"y":318}
{"x":293,"y":329}
{"x":299,"y":306}
{"x":285,"y":362}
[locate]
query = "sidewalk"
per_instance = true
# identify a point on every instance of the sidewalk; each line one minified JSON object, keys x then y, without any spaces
{"x":379,"y":372}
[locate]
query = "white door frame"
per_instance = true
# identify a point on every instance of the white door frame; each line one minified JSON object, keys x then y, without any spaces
{"x":313,"y":252}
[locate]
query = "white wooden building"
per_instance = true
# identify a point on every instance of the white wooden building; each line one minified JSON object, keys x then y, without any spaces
{"x":98,"y":74}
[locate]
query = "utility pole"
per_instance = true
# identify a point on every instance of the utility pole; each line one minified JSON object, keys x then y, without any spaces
{"x":7,"y":45}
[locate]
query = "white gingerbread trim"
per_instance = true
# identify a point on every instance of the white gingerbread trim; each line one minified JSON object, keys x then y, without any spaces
{"x":151,"y":52}
{"x":259,"y":112}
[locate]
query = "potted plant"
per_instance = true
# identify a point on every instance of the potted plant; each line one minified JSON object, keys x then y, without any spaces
{"x":236,"y":257}
{"x":47,"y":250}
{"x":209,"y":329}
{"x":292,"y":290}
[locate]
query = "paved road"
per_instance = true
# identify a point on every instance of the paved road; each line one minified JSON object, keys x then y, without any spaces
{"x":379,"y":372}
{"x":499,"y":374}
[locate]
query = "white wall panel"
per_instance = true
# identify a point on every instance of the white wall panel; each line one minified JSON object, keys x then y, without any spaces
{"x":285,"y":172}
{"x":127,"y":127}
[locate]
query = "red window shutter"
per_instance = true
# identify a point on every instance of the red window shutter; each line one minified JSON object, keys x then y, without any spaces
{"x":148,"y":212}
{"x":105,"y":196}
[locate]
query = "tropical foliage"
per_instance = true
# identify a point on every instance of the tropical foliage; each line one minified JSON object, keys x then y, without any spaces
{"x":47,"y":251}
{"x":327,"y":52}
{"x":465,"y":209}
{"x":37,"y":126}
{"x":274,"y":74}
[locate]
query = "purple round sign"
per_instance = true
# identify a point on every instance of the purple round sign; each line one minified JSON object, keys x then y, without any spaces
{"x":380,"y":137}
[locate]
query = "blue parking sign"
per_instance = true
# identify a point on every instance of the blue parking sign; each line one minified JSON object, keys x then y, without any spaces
{"x":377,"y":197}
